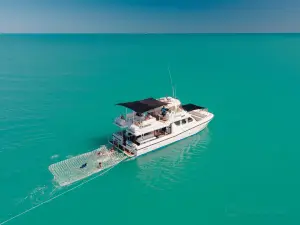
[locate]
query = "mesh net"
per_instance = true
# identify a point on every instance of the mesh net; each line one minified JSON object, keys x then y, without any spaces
{"x":82,"y":166}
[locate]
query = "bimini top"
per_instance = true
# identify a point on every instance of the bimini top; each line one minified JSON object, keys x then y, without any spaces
{"x":191,"y":107}
{"x":144,"y":105}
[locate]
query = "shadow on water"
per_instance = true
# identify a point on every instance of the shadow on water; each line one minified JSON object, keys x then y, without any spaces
{"x":166,"y":164}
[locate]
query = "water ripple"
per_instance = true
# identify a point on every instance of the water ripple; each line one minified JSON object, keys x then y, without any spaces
{"x":54,"y":156}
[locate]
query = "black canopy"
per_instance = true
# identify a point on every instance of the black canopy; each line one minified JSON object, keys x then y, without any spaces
{"x":191,"y":107}
{"x":144,"y":105}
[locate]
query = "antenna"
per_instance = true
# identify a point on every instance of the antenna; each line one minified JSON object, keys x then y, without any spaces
{"x":173,"y":90}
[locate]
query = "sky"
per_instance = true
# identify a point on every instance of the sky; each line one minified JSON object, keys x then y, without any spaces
{"x":149,"y":16}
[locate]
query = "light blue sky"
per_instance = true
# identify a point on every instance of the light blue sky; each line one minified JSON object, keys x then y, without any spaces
{"x":152,"y":16}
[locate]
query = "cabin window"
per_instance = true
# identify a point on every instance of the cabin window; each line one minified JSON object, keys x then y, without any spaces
{"x":183,"y":121}
{"x":190,"y":119}
{"x":177,"y":123}
{"x":146,"y":134}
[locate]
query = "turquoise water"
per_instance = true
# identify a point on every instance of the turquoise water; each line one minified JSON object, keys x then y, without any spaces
{"x":57,"y":96}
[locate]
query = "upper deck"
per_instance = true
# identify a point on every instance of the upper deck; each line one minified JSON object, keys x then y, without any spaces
{"x":138,"y":123}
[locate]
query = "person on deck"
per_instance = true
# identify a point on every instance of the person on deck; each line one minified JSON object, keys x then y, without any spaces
{"x":83,"y":165}
{"x":163,"y":111}
{"x":148,"y":116}
{"x":111,"y":151}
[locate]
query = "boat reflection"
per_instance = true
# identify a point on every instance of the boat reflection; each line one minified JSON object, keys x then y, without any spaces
{"x":166,"y":165}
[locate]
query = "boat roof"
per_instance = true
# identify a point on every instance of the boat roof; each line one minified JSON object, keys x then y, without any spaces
{"x":144,"y":105}
{"x":191,"y":107}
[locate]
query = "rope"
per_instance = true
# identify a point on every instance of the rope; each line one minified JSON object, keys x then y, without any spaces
{"x":51,"y":199}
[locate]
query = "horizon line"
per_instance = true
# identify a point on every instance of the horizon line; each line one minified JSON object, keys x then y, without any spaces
{"x":145,"y":33}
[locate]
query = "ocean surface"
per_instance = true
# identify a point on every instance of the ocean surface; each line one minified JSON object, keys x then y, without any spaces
{"x":57,"y":100}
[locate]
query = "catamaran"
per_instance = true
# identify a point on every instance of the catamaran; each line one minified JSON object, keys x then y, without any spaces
{"x":155,"y":123}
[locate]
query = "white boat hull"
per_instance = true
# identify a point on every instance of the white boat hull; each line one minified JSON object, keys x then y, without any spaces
{"x":172,"y":138}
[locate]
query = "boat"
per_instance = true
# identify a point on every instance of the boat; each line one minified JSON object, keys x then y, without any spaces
{"x":152,"y":124}
{"x":155,"y":123}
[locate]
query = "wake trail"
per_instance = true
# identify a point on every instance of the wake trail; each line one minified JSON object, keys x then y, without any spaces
{"x":59,"y":195}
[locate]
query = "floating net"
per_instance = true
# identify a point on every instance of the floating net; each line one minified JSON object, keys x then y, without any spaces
{"x":82,"y":166}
